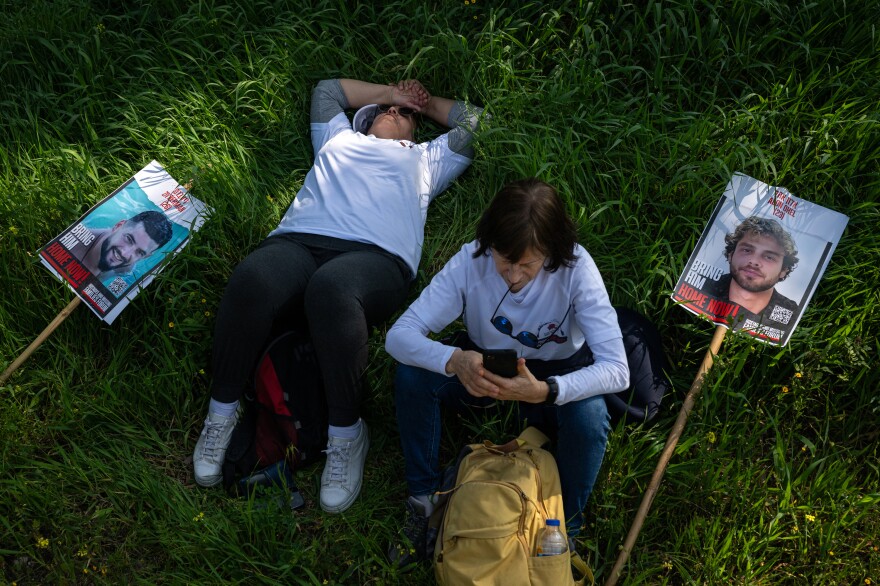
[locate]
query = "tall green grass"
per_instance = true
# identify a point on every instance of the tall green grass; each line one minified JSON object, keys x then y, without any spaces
{"x":639,"y":113}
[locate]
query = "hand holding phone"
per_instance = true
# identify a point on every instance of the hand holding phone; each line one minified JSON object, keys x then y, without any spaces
{"x":500,"y":362}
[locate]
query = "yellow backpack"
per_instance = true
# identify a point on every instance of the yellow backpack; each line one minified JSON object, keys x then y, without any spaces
{"x":496,"y":514}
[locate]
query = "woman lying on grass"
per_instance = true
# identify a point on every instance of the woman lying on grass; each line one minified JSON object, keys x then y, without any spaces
{"x":340,"y":261}
{"x":523,"y":284}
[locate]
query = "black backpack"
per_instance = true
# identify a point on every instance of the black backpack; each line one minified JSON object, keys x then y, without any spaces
{"x":648,"y":381}
{"x":283,"y":426}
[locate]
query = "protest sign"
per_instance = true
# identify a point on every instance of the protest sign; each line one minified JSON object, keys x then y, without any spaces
{"x":759,"y":260}
{"x":116,"y":248}
{"x":754,"y":270}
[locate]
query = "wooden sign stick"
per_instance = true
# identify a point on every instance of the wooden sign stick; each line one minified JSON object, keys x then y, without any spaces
{"x":671,"y":442}
{"x":40,"y":339}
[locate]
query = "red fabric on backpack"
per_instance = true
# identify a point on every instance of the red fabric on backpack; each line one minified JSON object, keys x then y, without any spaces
{"x":268,"y":387}
{"x":284,"y":413}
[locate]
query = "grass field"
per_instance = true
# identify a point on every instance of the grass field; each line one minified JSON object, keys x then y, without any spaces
{"x":639,"y":113}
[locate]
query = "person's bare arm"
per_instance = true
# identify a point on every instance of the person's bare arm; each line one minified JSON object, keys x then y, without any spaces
{"x":463,"y":118}
{"x":438,"y":110}
{"x":409,"y":93}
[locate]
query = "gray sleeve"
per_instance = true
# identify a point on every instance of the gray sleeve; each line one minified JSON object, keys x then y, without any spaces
{"x":328,"y":100}
{"x":464,"y":118}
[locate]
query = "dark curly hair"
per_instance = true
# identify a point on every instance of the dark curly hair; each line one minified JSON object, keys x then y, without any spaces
{"x":764,"y":227}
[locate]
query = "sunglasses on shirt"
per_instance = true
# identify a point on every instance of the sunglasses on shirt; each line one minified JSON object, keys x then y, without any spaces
{"x":402,"y":110}
{"x":527,"y":339}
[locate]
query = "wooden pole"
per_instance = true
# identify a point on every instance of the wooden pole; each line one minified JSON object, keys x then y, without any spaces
{"x":40,"y":339}
{"x":671,"y":442}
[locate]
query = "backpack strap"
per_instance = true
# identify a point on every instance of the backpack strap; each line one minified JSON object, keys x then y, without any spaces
{"x":531,"y":436}
{"x":511,"y":446}
{"x":534,"y":437}
{"x":583,"y":576}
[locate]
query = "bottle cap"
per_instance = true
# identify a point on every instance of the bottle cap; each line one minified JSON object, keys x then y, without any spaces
{"x":553,"y":522}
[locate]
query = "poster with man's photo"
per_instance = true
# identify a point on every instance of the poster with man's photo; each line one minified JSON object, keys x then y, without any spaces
{"x":759,"y":260}
{"x":116,"y":248}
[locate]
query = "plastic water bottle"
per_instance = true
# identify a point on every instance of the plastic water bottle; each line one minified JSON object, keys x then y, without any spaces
{"x":552,"y":541}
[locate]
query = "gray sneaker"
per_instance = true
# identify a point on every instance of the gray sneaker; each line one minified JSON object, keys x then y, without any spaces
{"x":211,"y":449}
{"x":417,"y":541}
{"x":344,"y":471}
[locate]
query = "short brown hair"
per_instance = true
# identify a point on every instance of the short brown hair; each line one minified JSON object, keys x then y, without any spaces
{"x":528,"y":213}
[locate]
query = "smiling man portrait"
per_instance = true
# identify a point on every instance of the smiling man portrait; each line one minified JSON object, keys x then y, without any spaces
{"x":116,"y":250}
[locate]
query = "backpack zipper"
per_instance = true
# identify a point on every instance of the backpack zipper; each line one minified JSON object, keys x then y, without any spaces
{"x":521,"y":528}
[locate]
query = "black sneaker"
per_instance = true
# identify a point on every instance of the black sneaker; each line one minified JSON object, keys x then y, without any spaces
{"x":414,"y":545}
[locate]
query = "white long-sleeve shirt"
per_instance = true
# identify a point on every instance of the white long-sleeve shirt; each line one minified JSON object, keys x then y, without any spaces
{"x":564,"y":309}
{"x":374,"y":190}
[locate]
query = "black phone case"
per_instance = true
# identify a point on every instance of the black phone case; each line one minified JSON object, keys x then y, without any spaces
{"x":501,"y":362}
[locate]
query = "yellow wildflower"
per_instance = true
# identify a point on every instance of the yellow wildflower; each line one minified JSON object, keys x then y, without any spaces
{"x":710,"y":437}
{"x":42,"y":542}
{"x":199,"y":517}
{"x":14,"y":230}
{"x":204,"y":300}
{"x":83,"y":552}
{"x":171,"y":324}
{"x":784,"y":389}
{"x":831,"y":553}
{"x":798,"y":374}
{"x":868,"y":581}
{"x":811,"y":518}
{"x":207,"y":314}
{"x":202,"y":371}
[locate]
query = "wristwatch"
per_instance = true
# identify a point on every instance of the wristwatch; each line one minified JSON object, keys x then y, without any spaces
{"x":553,"y":393}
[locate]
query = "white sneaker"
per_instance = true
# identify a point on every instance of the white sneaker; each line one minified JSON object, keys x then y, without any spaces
{"x":211,"y":449}
{"x":344,"y":471}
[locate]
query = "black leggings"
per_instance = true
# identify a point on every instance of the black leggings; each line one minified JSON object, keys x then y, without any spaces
{"x":338,"y":289}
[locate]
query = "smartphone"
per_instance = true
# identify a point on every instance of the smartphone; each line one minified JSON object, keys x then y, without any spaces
{"x":501,"y":362}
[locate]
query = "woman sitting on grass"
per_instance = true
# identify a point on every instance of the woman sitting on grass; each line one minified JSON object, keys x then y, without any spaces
{"x":523,"y":284}
{"x":340,"y":262}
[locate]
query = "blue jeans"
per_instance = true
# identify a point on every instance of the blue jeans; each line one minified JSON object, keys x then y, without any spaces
{"x":580,"y":427}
